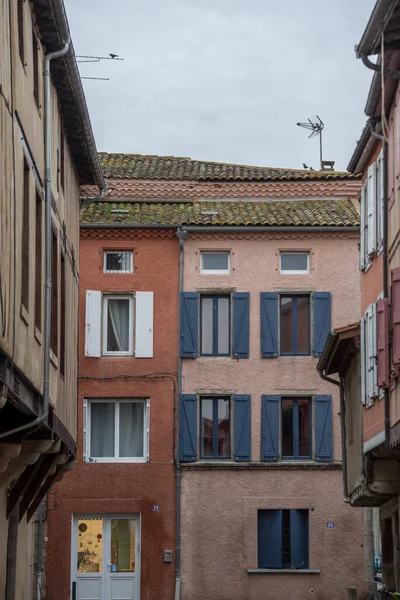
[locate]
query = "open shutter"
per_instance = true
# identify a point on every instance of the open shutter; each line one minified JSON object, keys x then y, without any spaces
{"x":380,"y":204}
{"x":363,"y":341}
{"x":189,"y":324}
{"x":85,"y":441}
{"x":322,"y":320}
{"x":241,"y":324}
{"x":374,"y":358}
{"x":395,"y":301}
{"x":369,"y":355}
{"x":270,"y":428}
{"x":269,"y":539}
{"x":242,"y":427}
{"x":187,"y":427}
{"x":323,"y":429}
{"x":390,"y":164}
{"x":144,"y":325}
{"x":93,"y":324}
{"x":299,"y":539}
{"x":269,"y":324}
{"x":371,"y":209}
{"x":363,"y":230}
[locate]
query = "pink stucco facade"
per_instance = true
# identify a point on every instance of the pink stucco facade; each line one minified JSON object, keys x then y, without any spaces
{"x":220,"y":501}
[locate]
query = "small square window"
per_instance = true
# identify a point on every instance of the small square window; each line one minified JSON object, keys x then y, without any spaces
{"x":118,"y":261}
{"x":117,"y":324}
{"x":295,"y":263}
{"x":217,"y":263}
{"x":215,"y":427}
{"x":283,"y":539}
{"x":215,"y":325}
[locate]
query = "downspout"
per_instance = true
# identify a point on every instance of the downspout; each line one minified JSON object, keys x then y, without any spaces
{"x":181,"y":235}
{"x":378,"y":68}
{"x":47,"y":201}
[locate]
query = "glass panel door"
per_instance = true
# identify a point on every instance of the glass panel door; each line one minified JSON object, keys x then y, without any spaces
{"x":89,"y":559}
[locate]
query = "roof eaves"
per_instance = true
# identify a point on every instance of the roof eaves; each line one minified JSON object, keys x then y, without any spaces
{"x":370,"y":40}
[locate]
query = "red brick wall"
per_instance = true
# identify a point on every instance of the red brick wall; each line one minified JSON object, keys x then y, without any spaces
{"x":126,"y":488}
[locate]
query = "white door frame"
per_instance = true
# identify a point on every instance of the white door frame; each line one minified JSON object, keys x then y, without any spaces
{"x":74,"y":543}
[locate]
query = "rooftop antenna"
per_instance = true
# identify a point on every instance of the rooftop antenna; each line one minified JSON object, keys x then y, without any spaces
{"x":95,"y":59}
{"x":315,"y":125}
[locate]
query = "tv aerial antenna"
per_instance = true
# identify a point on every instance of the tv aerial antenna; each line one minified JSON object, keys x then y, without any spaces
{"x":94,"y":59}
{"x":315,"y":125}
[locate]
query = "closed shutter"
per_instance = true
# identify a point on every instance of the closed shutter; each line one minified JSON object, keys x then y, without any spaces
{"x":270,"y":428}
{"x":371,"y":209}
{"x":363,"y":343}
{"x":395,"y":305}
{"x":269,"y":540}
{"x":363,"y":229}
{"x":242,"y":427}
{"x":241,"y":324}
{"x":269,"y":324}
{"x":299,"y":539}
{"x":189,"y":311}
{"x":144,"y":325}
{"x":187,"y":427}
{"x":93,"y":324}
{"x":85,"y":440}
{"x":323,"y":429}
{"x":322,"y":320}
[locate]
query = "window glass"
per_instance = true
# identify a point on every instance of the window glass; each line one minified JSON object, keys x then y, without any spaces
{"x":294,"y":261}
{"x":286,"y":325}
{"x":118,"y":330}
{"x":223,"y":427}
{"x":286,"y":539}
{"x":207,"y":326}
{"x":223,"y":325}
{"x":215,"y":261}
{"x":295,"y":426}
{"x":215,"y":325}
{"x":122,"y":549}
{"x":303,"y":325}
{"x":287,"y":427}
{"x":215,"y":427}
{"x":90,"y":546}
{"x":102,"y":429}
{"x":304,"y":426}
{"x":207,"y":426}
{"x":131,"y":416}
{"x":118,"y":262}
{"x":295,"y":324}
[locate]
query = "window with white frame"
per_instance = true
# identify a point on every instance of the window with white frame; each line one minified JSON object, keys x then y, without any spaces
{"x":371,"y":213}
{"x":119,"y":324}
{"x":294,"y":263}
{"x":118,"y":261}
{"x":217,"y":263}
{"x":116,"y":430}
{"x":369,"y":356}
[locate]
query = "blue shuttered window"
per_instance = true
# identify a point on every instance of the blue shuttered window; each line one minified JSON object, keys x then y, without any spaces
{"x":189,"y":310}
{"x":270,"y":428}
{"x":242,"y":427}
{"x":269,"y":324}
{"x":187,"y":427}
{"x":241,"y":324}
{"x":323,"y":429}
{"x":283,"y":539}
{"x":322,"y":320}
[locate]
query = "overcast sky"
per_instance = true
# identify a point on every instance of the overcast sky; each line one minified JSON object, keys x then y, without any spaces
{"x":224,"y":80}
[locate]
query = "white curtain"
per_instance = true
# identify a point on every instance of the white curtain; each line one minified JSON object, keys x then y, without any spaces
{"x":131,"y":434}
{"x":118,"y":325}
{"x":102,"y":429}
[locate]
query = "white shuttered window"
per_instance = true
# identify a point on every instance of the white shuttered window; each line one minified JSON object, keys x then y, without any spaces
{"x":369,"y":366}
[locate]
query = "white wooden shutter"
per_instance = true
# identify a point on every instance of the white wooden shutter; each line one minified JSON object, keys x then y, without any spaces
{"x":363,"y":365}
{"x":144,"y":325}
{"x":370,"y":358}
{"x":85,"y":441}
{"x":147,"y":430}
{"x":363,"y":228}
{"x":380,"y":203}
{"x":375,"y":390}
{"x":93,"y":324}
{"x":371,"y":209}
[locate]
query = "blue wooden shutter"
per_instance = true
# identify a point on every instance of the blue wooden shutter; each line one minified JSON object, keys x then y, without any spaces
{"x":241,"y":324}
{"x":269,"y":539}
{"x":187,"y":427}
{"x":322,"y":320}
{"x":299,"y":539}
{"x":270,"y":428}
{"x":242,"y":427}
{"x":189,"y":324}
{"x":323,"y":428}
{"x":269,"y":324}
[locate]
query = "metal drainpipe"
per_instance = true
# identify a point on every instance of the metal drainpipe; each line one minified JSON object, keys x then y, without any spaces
{"x":181,"y":235}
{"x":47,"y":200}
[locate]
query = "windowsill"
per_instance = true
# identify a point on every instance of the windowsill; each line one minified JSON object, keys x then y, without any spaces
{"x":121,"y":461}
{"x":24,"y":315}
{"x":38,"y":335}
{"x":54,"y":359}
{"x":286,"y":571}
{"x":284,"y":465}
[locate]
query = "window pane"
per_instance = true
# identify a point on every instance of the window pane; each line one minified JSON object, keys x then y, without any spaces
{"x":118,"y":261}
{"x":207,"y":426}
{"x":223,"y":427}
{"x":118,"y":330}
{"x":90,"y":545}
{"x":122,"y":549}
{"x":206,"y":325}
{"x":287,"y":427}
{"x":215,"y":261}
{"x":303,"y":325}
{"x":286,"y":538}
{"x":304,"y":427}
{"x":286,"y":324}
{"x":294,"y":261}
{"x":223,"y":325}
{"x":102,"y":426}
{"x":131,"y":429}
